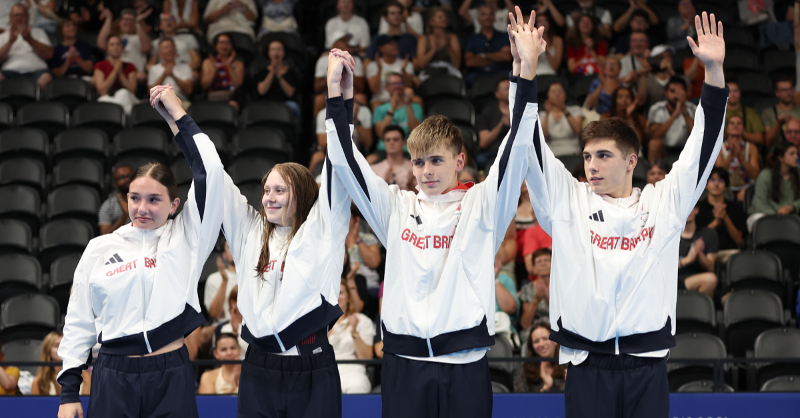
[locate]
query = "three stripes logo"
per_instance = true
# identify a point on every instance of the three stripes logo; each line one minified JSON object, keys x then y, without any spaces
{"x":115,"y":259}
{"x":597,"y":216}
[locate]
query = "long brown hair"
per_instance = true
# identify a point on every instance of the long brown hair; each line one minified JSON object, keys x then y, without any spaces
{"x":775,"y":193}
{"x":351,"y":307}
{"x":574,"y":37}
{"x":303,"y":191}
{"x":47,"y":374}
{"x":533,"y":370}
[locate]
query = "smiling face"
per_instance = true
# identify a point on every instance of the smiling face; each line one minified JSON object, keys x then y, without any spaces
{"x":541,"y":265}
{"x":18,"y":16}
{"x":127,"y":24}
{"x":227,"y":349}
{"x":437,"y":171}
{"x":224,"y":46}
{"x":149,"y":204}
{"x":608,"y":169}
{"x":585,"y":25}
{"x":540,"y":340}
{"x":277,"y":200}
{"x":167,"y":52}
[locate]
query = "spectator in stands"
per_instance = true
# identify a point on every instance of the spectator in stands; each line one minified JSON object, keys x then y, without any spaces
{"x":698,"y":251}
{"x":277,"y":16}
{"x":133,"y":35}
{"x":229,"y":16}
{"x":399,"y":110}
{"x":546,"y":7}
{"x":500,"y":14}
{"x":634,"y":64}
{"x":546,"y":376}
{"x":72,"y":57}
{"x":186,"y":46}
{"x":681,"y":26}
{"x":412,"y":20}
{"x":493,"y":125}
{"x":505,"y":292}
{"x":234,"y":326}
{"x":224,"y":379}
{"x":753,"y":127}
{"x":45,"y":381}
{"x":218,"y":286}
{"x":796,"y":21}
{"x":24,"y":49}
{"x":638,"y":22}
{"x":603,"y":87}
{"x":535,"y":295}
{"x":342,"y":41}
{"x":278,"y":82}
{"x":395,"y":168}
{"x":487,"y":51}
{"x":223,"y":73}
{"x":724,"y":216}
{"x":658,"y":171}
{"x":351,"y":338}
{"x":168,"y":71}
{"x":555,"y":46}
{"x":364,"y":251}
{"x":186,"y":13}
{"x":671,"y":121}
{"x":114,"y":211}
{"x":777,"y":187}
{"x":86,"y":13}
{"x":695,"y":72}
{"x":738,"y":157}
{"x":406,"y":43}
{"x":586,"y":50}
{"x":637,"y":8}
{"x":561,"y":124}
{"x":114,"y":78}
{"x":362,"y":135}
{"x":534,"y":239}
{"x":792,"y":132}
{"x":468,"y":174}
{"x":598,"y":14}
{"x":9,"y":376}
{"x":775,"y":117}
{"x":347,"y":23}
{"x":438,"y":51}
{"x":143,"y":9}
{"x":651,"y":87}
{"x":43,"y":14}
{"x":387,"y":61}
{"x":623,"y":106}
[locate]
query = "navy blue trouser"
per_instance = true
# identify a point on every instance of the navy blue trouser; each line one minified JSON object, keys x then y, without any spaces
{"x":276,"y":386}
{"x":426,"y":389}
{"x":141,"y":387}
{"x":621,"y":386}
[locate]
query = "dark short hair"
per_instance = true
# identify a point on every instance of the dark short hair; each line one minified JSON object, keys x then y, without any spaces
{"x":722,"y":174}
{"x":783,"y":79}
{"x":160,"y":173}
{"x":540,"y":252}
{"x":663,"y":164}
{"x":676,"y":80}
{"x":223,"y":336}
{"x":395,"y":128}
{"x":166,"y":40}
{"x":616,"y":129}
{"x":391,"y":3}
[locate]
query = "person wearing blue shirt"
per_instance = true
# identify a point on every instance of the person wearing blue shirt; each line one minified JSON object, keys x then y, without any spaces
{"x":72,"y":57}
{"x":487,"y":51}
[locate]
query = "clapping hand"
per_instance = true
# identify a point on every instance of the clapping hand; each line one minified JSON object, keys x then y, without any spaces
{"x":700,"y":246}
{"x":720,"y":211}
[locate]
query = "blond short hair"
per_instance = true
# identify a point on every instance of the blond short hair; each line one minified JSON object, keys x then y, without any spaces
{"x":434,"y":132}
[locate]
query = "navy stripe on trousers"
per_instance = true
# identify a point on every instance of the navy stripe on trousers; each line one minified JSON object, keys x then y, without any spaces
{"x":617,"y":386}
{"x":160,"y":386}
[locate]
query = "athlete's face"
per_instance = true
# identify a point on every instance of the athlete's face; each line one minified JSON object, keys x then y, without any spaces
{"x":277,"y":200}
{"x":608,"y":170}
{"x":437,"y":172}
{"x":227,"y":349}
{"x":149,"y":205}
{"x":540,"y":340}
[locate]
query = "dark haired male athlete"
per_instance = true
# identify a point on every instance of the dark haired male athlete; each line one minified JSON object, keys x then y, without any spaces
{"x":614,"y":279}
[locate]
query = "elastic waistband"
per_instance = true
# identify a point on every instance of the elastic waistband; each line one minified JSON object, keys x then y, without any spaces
{"x":634,"y":343}
{"x":136,"y":344}
{"x":140,"y":365}
{"x":620,"y":362}
{"x":447,"y":343}
{"x":304,"y":362}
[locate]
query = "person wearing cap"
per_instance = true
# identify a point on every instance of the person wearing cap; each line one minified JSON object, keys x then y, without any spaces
{"x":346,"y":22}
{"x":638,"y":22}
{"x":634,"y":64}
{"x":637,"y":8}
{"x":387,"y":60}
{"x":406,"y":44}
{"x":651,"y":87}
{"x":135,"y":41}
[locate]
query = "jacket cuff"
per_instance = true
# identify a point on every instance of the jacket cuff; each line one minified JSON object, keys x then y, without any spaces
{"x":512,"y":78}
{"x":70,"y":382}
{"x":335,"y":108}
{"x":714,"y":97}
{"x":527,"y":90}
{"x":348,"y":107}
{"x":187,"y":126}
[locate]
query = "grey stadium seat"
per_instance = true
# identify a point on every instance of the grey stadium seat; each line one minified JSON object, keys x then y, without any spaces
{"x":148,"y":143}
{"x":74,"y":201}
{"x":108,"y":117}
{"x":72,"y":92}
{"x":24,"y":171}
{"x":24,"y":143}
{"x":21,"y":203}
{"x":80,"y":143}
{"x":15,"y":237}
{"x":23,"y":350}
{"x":270,"y":113}
{"x":249,"y":169}
{"x":144,"y":116}
{"x":19,"y":274}
{"x":458,"y":110}
{"x":18,"y":91}
{"x":61,"y":237}
{"x":702,"y":386}
{"x":753,"y":269}
{"x":782,"y":384}
{"x":695,"y":345}
{"x":30,"y":315}
{"x":695,"y":313}
{"x":747,"y":314}
{"x":780,"y":235}
{"x":775,"y":343}
{"x":62,"y":273}
{"x":86,"y":171}
{"x":261,"y":141}
{"x":51,"y":117}
{"x":220,"y":115}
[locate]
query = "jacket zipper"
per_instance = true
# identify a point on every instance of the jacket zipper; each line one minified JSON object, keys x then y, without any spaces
{"x":430,"y":287}
{"x":144,"y":313}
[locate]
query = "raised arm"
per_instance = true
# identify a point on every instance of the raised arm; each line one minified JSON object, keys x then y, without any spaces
{"x":690,"y":173}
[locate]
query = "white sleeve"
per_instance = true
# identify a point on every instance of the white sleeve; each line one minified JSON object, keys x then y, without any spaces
{"x":40,"y":36}
{"x":365,"y":329}
{"x":320,"y":129}
{"x":329,"y":29}
{"x":372,"y":69}
{"x":213,"y":282}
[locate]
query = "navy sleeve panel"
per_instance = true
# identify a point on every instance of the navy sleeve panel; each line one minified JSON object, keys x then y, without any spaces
{"x":348,"y":106}
{"x":329,"y":172}
{"x":526,"y":93}
{"x":714,"y":101}
{"x":336,"y":110}
{"x":187,"y":129}
{"x":512,"y":78}
{"x":70,"y":382}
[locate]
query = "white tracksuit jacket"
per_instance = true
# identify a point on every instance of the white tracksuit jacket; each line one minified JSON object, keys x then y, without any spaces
{"x":298,"y":294}
{"x":135,"y":291}
{"x":614,"y":279}
{"x":439,"y":301}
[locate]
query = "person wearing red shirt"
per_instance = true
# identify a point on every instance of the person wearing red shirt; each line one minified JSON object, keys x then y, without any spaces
{"x":586,"y":50}
{"x":114,"y":79}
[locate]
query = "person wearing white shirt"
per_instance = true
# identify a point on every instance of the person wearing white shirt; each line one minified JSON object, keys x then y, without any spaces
{"x":230,"y":16}
{"x":351,"y":338}
{"x":136,"y":42}
{"x":24,"y":49}
{"x":349,"y":23}
{"x":500,"y":14}
{"x":388,"y":63}
{"x":218,"y":288}
{"x":186,"y":46}
{"x":671,"y":120}
{"x":170,"y":72}
{"x":341,"y":40}
{"x":412,"y":20}
{"x":362,"y":134}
